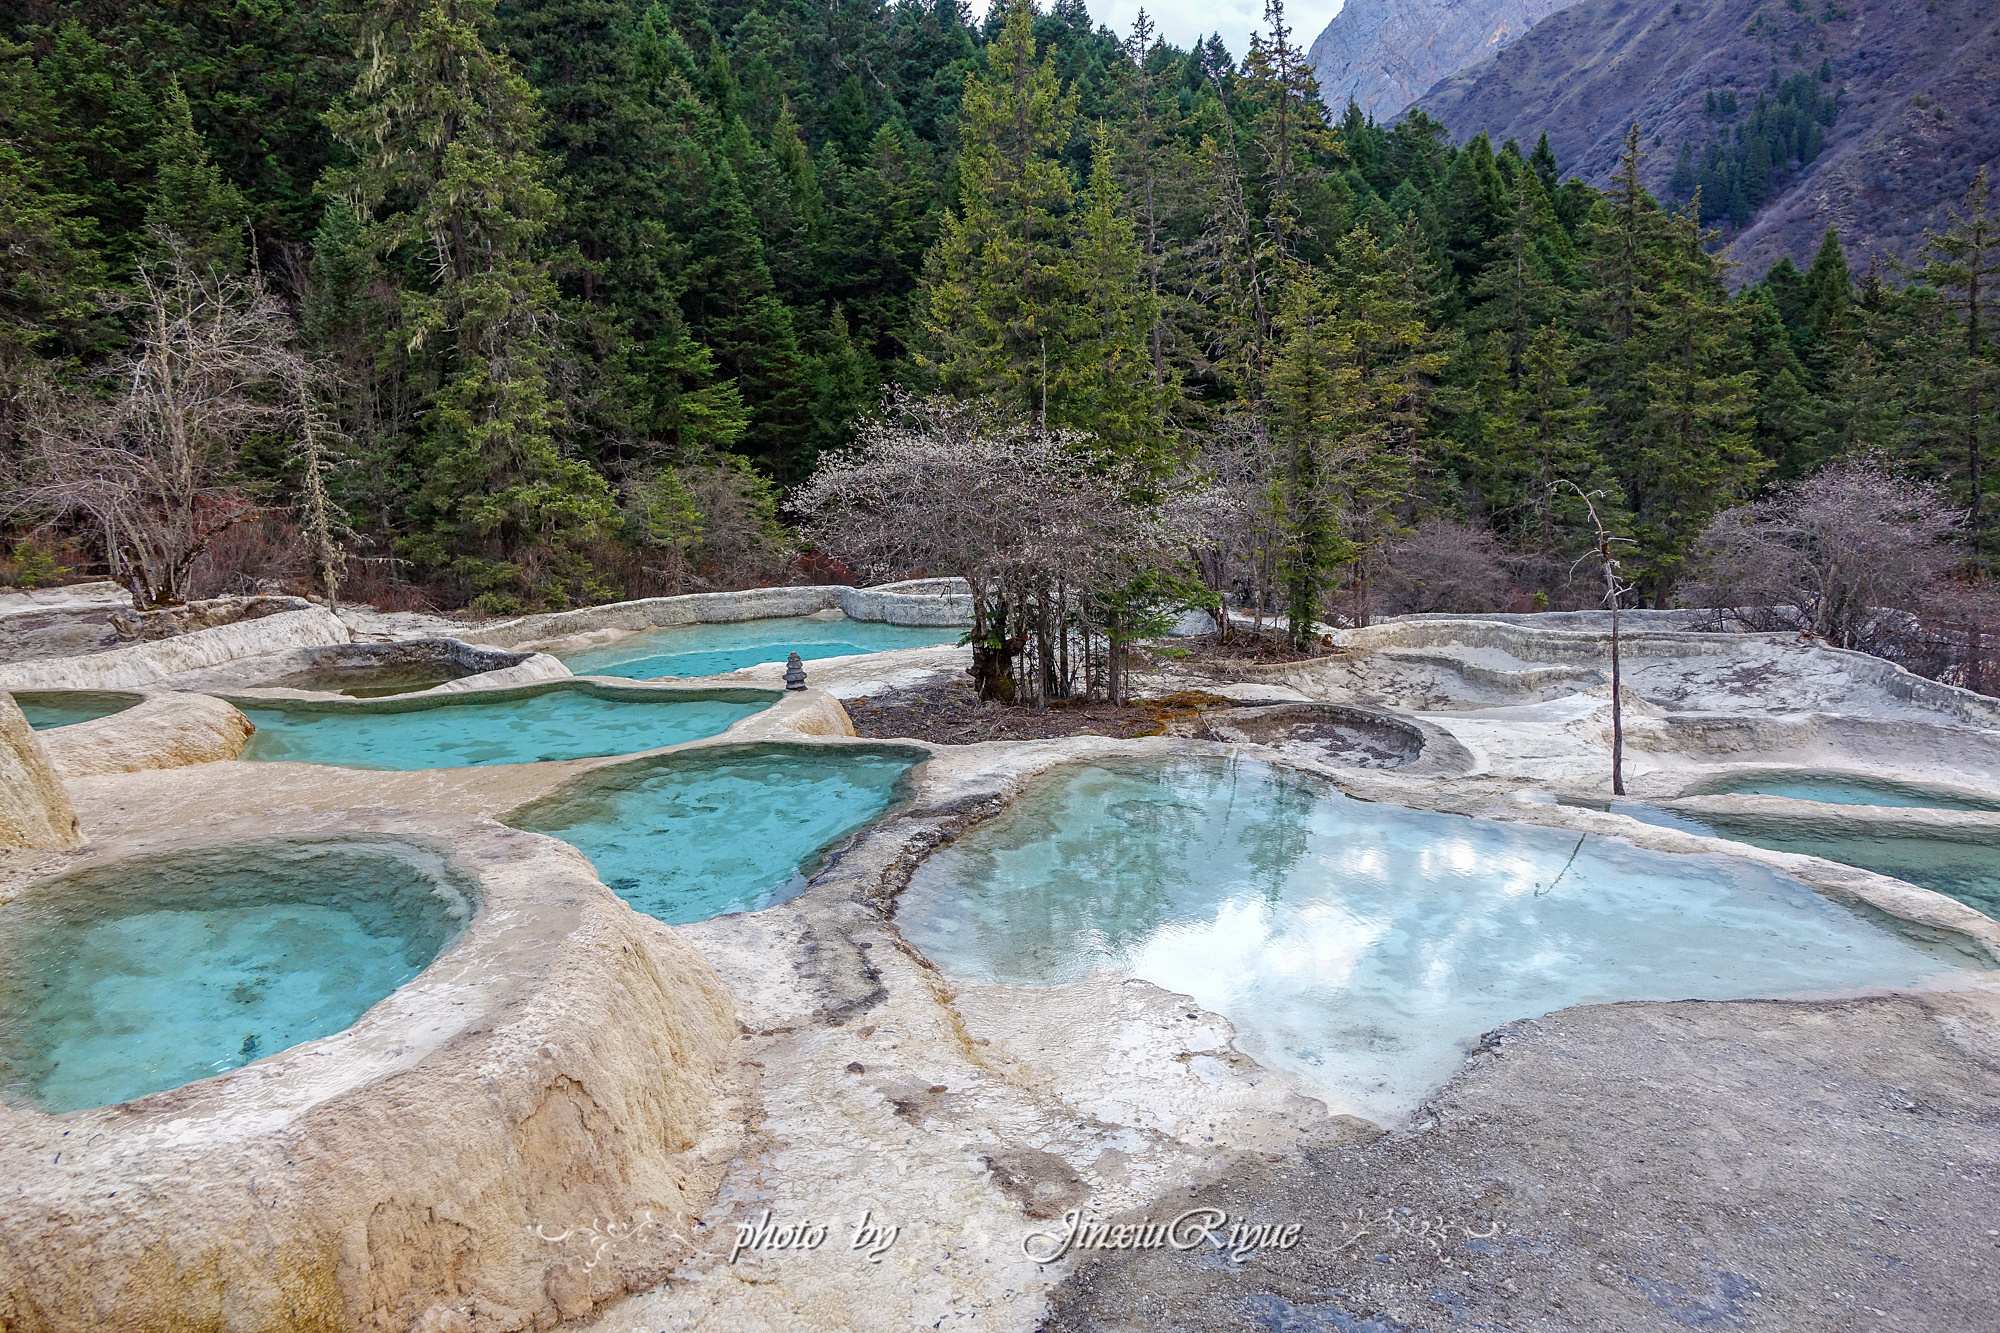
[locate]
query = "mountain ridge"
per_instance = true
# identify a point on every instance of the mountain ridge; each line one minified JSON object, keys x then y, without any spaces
{"x":1914,"y":119}
{"x":1385,"y":53}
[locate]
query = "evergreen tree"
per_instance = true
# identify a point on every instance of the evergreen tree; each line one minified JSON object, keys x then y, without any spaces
{"x":1827,"y":323}
{"x":1387,"y":309}
{"x":1114,"y":390}
{"x":50,"y":274}
{"x":1690,"y":454}
{"x":1540,"y":433}
{"x":1158,"y":169}
{"x":1473,"y":210}
{"x":1001,"y":273}
{"x":1962,"y":262}
{"x":51,"y":268}
{"x":1288,"y":131}
{"x":1315,"y":410}
{"x":1517,"y":293}
{"x":884,"y":222}
{"x":192,"y":203}
{"x":451,"y":188}
{"x":1787,"y":431}
{"x":95,"y":140}
{"x":1543,"y":160}
{"x":733,"y":307}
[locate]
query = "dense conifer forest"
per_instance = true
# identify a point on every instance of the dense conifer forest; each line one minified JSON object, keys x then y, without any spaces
{"x":513,"y":305}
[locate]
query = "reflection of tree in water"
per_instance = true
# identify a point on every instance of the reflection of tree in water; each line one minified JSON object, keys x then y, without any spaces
{"x":1092,"y":860}
{"x":1267,"y":815}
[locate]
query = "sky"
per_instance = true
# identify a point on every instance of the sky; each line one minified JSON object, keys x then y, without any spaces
{"x":1183,"y":22}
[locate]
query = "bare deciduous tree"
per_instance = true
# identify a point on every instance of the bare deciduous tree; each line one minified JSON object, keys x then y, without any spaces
{"x":1442,"y":566}
{"x":1046,"y":533}
{"x":1847,"y":554}
{"x":153,"y":464}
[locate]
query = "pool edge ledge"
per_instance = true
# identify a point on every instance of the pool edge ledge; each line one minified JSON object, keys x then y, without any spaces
{"x":557,"y":1068}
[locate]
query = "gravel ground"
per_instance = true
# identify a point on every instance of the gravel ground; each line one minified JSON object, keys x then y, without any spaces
{"x":1819,"y":1166}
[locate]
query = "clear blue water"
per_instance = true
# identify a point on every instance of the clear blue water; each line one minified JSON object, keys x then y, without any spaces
{"x":47,"y":709}
{"x":1361,"y":946}
{"x":132,"y":979}
{"x":689,"y":837}
{"x":566,"y":722}
{"x":709,"y":650}
{"x":1959,"y":863}
{"x":1840,"y":789}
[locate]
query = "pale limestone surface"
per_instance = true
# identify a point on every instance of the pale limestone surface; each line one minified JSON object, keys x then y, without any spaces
{"x":977,"y":1108}
{"x":327,"y":669}
{"x":921,"y":602}
{"x":526,"y":1130}
{"x":35,"y":812}
{"x":144,"y":664}
{"x":103,"y":594}
{"x":967,"y":1115}
{"x":165,"y":731}
{"x":1533,"y":704}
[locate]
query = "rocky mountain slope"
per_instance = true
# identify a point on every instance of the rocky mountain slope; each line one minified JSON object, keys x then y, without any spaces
{"x":1914,"y":111}
{"x":1385,"y":53}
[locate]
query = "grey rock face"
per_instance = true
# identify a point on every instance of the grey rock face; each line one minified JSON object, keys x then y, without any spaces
{"x":1386,"y":53}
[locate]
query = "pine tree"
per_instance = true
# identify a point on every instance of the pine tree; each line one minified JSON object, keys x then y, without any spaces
{"x":1690,"y":453}
{"x":883,"y":224}
{"x":1387,"y":307}
{"x":1315,"y":410}
{"x":1238,"y":287}
{"x":453,"y":193}
{"x":1473,"y":208}
{"x":51,"y":265}
{"x":1112,"y":388}
{"x":1001,"y":272}
{"x":192,"y":203}
{"x":1788,"y":430}
{"x":1288,"y":130}
{"x":1516,"y":293}
{"x":613,"y":83}
{"x":733,"y":307}
{"x":1540,"y":432}
{"x":96,"y":142}
{"x":1962,"y":262}
{"x":1543,"y":160}
{"x":688,"y":410}
{"x":50,"y":273}
{"x":1158,"y":170}
{"x":1828,"y":320}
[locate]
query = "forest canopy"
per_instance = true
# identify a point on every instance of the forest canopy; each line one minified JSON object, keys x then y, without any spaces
{"x":570,"y":301}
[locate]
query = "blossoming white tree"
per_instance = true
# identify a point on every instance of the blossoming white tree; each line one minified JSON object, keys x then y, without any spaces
{"x":1055,"y":539}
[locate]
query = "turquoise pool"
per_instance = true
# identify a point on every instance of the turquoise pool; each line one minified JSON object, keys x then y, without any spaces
{"x":1840,"y":789}
{"x":47,"y":709}
{"x":501,"y":727}
{"x":143,"y":976}
{"x":709,"y":650}
{"x":1362,"y":947}
{"x":687,"y":837}
{"x":1959,"y":863}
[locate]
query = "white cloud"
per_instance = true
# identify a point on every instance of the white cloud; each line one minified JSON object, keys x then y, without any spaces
{"x":1185,"y":22}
